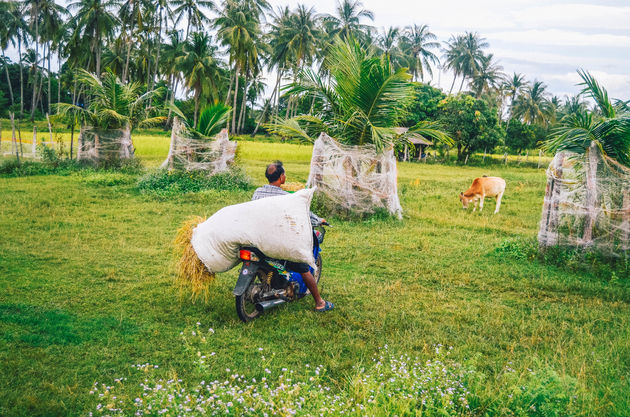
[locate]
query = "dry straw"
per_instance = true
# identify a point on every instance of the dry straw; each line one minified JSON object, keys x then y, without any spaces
{"x":191,"y":272}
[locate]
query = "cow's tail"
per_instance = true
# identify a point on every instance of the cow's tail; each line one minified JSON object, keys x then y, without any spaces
{"x":192,"y":274}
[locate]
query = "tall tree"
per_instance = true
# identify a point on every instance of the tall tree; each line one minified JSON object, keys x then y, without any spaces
{"x":238,"y":28}
{"x":464,"y":55}
{"x":193,"y":12}
{"x":200,"y":69}
{"x":97,"y":22}
{"x":487,"y":76}
{"x":346,"y":23}
{"x":417,"y":43}
{"x":533,"y":106}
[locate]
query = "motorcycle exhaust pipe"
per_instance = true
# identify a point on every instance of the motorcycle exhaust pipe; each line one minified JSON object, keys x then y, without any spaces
{"x":266,"y":305}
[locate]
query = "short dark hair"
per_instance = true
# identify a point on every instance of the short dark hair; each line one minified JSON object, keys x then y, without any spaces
{"x":274,"y":171}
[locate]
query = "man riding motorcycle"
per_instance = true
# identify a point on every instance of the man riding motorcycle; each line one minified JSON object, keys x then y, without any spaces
{"x":276,"y":177}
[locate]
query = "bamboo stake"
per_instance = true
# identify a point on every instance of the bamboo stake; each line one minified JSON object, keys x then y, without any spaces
{"x":14,"y":143}
{"x":34,"y":144}
{"x":591,"y":195}
{"x":49,"y":129}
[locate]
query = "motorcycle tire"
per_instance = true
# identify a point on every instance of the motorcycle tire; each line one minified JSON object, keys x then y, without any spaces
{"x":245,"y":307}
{"x":319,"y":264}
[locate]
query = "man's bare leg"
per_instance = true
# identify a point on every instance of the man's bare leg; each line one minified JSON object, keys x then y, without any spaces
{"x":311,"y":284}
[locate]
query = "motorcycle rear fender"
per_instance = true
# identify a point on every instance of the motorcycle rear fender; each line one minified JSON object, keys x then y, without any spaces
{"x":248,"y":273}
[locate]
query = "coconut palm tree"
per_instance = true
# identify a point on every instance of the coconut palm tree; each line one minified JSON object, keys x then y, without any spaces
{"x":464,"y":55}
{"x":417,"y":42}
{"x":363,"y":101}
{"x":112,"y":104}
{"x":96,"y":22}
{"x":608,"y":127}
{"x":347,"y":21}
{"x":514,"y":86}
{"x":193,"y":12}
{"x":200,"y":69}
{"x":8,"y":35}
{"x":487,"y":76}
{"x":52,"y":23}
{"x":533,"y":106}
{"x":238,"y":28}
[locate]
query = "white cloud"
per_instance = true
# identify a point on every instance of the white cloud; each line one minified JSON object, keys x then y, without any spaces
{"x":592,"y":16}
{"x":560,"y":37}
{"x":614,"y":83}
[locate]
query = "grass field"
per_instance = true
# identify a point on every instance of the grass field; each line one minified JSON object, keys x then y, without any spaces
{"x":86,"y":291}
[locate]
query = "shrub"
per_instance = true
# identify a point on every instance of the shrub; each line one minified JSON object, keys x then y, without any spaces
{"x":179,"y":182}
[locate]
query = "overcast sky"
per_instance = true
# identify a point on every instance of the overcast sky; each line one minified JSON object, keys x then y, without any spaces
{"x":545,"y":40}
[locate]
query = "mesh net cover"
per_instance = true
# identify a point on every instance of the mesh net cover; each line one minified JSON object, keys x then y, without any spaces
{"x":104,"y":144}
{"x":587,"y":203}
{"x":355,"y":178}
{"x":197,"y":154}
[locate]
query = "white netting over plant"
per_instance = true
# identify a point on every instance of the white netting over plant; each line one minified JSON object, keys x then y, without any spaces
{"x":100,"y":145}
{"x":587,"y":203}
{"x":193,"y":154}
{"x":355,"y":178}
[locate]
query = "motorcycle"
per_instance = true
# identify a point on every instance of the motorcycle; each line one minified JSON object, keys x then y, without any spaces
{"x":265,"y":283}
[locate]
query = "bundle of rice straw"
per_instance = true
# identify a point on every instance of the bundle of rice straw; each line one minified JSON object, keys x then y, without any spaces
{"x":191,"y":272}
{"x":292,"y":186}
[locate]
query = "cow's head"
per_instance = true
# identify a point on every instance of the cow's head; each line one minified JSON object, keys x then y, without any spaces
{"x":465,"y":200}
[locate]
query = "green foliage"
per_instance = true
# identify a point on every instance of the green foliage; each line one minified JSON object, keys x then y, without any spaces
{"x":519,"y":136}
{"x":424,"y":105}
{"x":107,"y":179}
{"x":165,"y":183}
{"x":568,"y":258}
{"x":363,"y":102}
{"x":211,"y":121}
{"x":609,"y":128}
{"x":112,"y":104}
{"x":471,"y":123}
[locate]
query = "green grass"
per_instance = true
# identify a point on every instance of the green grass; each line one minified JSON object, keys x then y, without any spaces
{"x":86,"y":290}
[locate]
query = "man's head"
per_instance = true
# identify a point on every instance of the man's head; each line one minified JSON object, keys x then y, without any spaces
{"x":275,"y":173}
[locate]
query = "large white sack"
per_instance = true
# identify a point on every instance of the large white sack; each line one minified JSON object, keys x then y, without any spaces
{"x":279,"y":226}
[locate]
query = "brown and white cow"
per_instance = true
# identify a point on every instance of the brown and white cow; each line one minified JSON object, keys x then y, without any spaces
{"x":481,"y":188}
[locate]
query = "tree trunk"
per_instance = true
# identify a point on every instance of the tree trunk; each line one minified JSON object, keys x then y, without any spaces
{"x":236,"y":72}
{"x":71,"y":137}
{"x":6,"y":68}
{"x":452,"y":84}
{"x":243,"y":105}
{"x":461,"y":85}
{"x":36,"y":39}
{"x":196,"y":108}
{"x":271,"y":99}
{"x":48,"y":77}
{"x":21,"y":76}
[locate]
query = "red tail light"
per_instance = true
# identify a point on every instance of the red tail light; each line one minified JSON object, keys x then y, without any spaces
{"x":247,"y":255}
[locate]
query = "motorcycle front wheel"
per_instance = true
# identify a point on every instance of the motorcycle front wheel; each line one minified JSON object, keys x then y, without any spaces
{"x":246,"y":303}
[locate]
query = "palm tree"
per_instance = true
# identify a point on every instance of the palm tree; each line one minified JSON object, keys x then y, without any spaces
{"x":192,"y":11}
{"x":464,"y":55}
{"x":52,"y":20}
{"x":608,"y":127}
{"x":417,"y":42}
{"x":171,"y":52}
{"x":112,"y":104}
{"x":514,"y":87}
{"x":96,"y":22}
{"x":8,"y":33}
{"x":363,"y":101}
{"x":347,"y":23}
{"x":533,"y":106}
{"x":200,"y":69}
{"x":238,"y":28}
{"x":487,"y":76}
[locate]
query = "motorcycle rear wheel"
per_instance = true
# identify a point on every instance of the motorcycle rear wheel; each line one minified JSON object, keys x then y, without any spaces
{"x":245,"y":304}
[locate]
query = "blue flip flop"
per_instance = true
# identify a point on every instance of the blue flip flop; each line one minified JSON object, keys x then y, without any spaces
{"x":327,"y":306}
